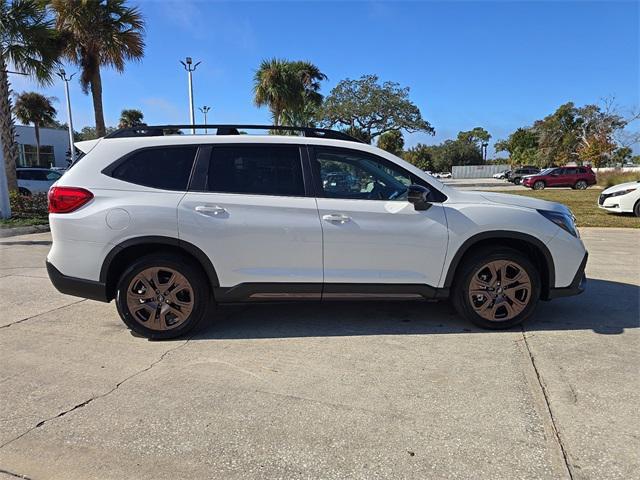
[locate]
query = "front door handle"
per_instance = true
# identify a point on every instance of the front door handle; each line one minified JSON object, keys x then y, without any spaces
{"x":336,"y":218}
{"x":211,"y":210}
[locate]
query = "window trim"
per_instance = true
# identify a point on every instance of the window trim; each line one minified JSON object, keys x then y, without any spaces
{"x":415,"y":180}
{"x":109,"y":169}
{"x":200,"y":174}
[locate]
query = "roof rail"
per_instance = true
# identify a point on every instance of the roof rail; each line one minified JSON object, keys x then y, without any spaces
{"x":227,"y":129}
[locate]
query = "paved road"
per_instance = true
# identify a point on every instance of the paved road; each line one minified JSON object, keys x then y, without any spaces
{"x":343,"y":390}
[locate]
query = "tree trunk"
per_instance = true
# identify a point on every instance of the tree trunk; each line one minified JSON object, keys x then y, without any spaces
{"x":7,"y":132}
{"x":36,"y":131}
{"x":96,"y":94}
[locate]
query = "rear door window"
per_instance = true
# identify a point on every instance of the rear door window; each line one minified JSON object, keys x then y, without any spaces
{"x":256,"y":170}
{"x":166,"y":168}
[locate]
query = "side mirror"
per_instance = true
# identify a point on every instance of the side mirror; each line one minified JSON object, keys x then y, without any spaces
{"x":418,"y":195}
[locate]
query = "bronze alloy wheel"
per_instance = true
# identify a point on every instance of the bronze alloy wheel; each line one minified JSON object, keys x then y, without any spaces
{"x":160,"y":298}
{"x":500,"y":290}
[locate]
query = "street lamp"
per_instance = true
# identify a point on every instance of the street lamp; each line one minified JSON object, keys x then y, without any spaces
{"x":190,"y":67}
{"x":205,"y":110}
{"x":63,"y":75}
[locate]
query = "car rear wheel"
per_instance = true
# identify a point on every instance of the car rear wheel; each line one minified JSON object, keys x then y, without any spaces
{"x":496,"y":288}
{"x":581,"y":185}
{"x":517,"y":181}
{"x":539,"y":185}
{"x":163,"y":296}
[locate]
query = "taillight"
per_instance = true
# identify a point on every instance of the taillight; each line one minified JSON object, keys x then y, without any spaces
{"x":67,"y":199}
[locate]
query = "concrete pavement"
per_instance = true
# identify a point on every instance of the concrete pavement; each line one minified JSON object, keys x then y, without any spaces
{"x":340,"y":390}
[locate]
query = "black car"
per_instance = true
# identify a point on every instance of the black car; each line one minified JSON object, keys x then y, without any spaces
{"x":516,"y":175}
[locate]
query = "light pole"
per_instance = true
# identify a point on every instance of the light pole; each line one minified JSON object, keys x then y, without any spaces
{"x":205,"y":110}
{"x":190,"y":67}
{"x":63,"y":75}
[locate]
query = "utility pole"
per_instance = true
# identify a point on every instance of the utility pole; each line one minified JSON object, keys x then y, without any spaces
{"x":205,"y":110}
{"x":62,"y":74}
{"x":190,"y":67}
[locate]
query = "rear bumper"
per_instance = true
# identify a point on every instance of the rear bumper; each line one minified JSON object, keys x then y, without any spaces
{"x":78,"y":287}
{"x":577,"y":286}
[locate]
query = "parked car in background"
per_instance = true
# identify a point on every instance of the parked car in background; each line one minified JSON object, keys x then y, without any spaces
{"x":36,"y":180}
{"x":578,"y":178}
{"x":443,"y":175}
{"x":502,"y":175}
{"x":516,"y":175}
{"x":621,"y":198}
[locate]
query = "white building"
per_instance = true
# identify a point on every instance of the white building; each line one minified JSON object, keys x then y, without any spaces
{"x":54,"y":147}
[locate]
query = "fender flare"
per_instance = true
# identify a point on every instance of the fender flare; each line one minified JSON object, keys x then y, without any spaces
{"x":191,"y":249}
{"x":501,"y":235}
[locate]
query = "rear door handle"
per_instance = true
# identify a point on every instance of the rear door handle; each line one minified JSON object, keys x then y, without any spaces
{"x":210,"y":210}
{"x":336,"y":218}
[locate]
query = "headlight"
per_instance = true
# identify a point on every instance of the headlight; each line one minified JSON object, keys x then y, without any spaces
{"x":566,"y":221}
{"x":622,"y":192}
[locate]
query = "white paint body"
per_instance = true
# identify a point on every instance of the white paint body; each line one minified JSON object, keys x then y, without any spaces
{"x":621,"y":203}
{"x":261,"y":238}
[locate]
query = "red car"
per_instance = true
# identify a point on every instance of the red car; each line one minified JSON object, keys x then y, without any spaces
{"x":578,"y":178}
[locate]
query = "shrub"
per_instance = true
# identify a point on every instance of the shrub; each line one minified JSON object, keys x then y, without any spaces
{"x":614,"y":177}
{"x":34,"y":206}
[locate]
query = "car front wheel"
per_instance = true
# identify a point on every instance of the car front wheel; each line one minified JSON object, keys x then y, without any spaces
{"x":539,"y":185}
{"x":636,"y":209}
{"x":162,"y":296}
{"x":496,"y":289}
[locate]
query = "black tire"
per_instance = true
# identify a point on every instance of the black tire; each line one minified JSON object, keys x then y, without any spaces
{"x":581,"y":185}
{"x":198,"y":293}
{"x":24,"y":192}
{"x":539,"y":185}
{"x":517,"y":180}
{"x":472,"y":264}
{"x":636,"y":209}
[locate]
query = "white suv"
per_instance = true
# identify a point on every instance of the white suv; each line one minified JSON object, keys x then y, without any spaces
{"x":170,"y":225}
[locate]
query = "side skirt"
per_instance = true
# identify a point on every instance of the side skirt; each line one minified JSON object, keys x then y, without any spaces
{"x":264,"y":292}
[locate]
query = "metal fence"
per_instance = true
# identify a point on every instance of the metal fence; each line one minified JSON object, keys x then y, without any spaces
{"x":477,"y":171}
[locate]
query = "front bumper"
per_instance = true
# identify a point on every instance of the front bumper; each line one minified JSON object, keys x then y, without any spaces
{"x":78,"y":287}
{"x":577,"y":286}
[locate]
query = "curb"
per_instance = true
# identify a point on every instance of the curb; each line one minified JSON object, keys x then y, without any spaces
{"x":12,"y":232}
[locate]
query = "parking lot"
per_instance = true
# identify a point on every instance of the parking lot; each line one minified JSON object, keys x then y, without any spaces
{"x":341,"y":390}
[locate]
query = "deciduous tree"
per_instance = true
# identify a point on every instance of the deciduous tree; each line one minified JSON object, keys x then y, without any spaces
{"x":373,"y":108}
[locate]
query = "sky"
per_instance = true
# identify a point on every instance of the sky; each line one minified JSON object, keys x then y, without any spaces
{"x":499,"y":65}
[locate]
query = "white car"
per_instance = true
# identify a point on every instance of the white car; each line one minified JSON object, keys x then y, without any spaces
{"x":501,"y":175}
{"x":169,"y":226}
{"x":36,"y":180}
{"x":622,"y":198}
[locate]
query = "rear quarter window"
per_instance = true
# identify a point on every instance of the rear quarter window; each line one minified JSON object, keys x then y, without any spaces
{"x":166,"y":168}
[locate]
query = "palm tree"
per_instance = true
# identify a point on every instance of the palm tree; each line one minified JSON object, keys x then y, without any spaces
{"x":287,"y":87}
{"x":32,"y":107}
{"x":30,"y":44}
{"x":130,"y":118}
{"x":101,"y":33}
